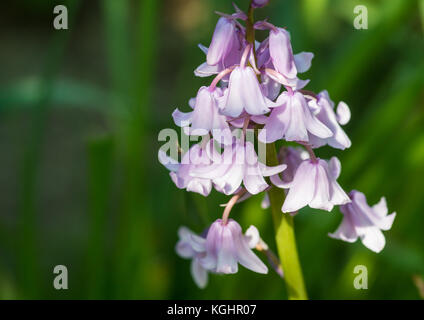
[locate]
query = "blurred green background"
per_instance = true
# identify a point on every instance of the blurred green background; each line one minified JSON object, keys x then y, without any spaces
{"x":81,"y":109}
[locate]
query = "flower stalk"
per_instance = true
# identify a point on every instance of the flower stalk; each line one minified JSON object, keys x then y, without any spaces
{"x":283,"y":223}
{"x":285,"y":238}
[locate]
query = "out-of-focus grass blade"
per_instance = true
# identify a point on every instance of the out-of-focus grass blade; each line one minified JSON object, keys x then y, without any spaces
{"x":133,"y":81}
{"x":8,"y":290}
{"x":64,"y":93}
{"x":100,"y":157}
{"x":364,"y":46}
{"x":385,"y":118}
{"x":421,"y":7}
{"x":27,"y":219}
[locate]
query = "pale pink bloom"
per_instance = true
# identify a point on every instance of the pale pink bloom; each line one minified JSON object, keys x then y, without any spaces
{"x":188,"y":248}
{"x":238,"y":163}
{"x":226,"y":247}
{"x":323,"y":108}
{"x":223,"y":40}
{"x":206,"y":117}
{"x":193,"y":159}
{"x":302,"y":62}
{"x":231,"y":59}
{"x":244,"y":94}
{"x":292,"y":120}
{"x":315,"y":184}
{"x":364,"y":222}
{"x":281,"y":52}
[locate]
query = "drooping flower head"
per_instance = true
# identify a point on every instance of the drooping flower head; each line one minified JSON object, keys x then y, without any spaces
{"x":323,"y":109}
{"x":223,"y":40}
{"x":181,"y":172}
{"x":315,"y":184}
{"x":205,"y":117}
{"x":364,"y":222}
{"x":256,"y":87}
{"x":292,"y":120}
{"x":226,"y":247}
{"x":238,"y":163}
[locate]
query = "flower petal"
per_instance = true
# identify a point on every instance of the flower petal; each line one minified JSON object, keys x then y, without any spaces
{"x":302,"y":188}
{"x":199,"y":274}
{"x":343,"y":113}
{"x":303,"y":61}
{"x":168,"y":162}
{"x":247,"y":258}
{"x":373,"y":239}
{"x":346,"y":231}
{"x":182,"y":119}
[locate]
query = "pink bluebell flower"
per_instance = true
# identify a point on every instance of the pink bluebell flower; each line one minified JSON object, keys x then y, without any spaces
{"x":292,"y":120}
{"x":205,"y":117}
{"x":364,"y":222}
{"x":223,"y":40}
{"x":181,"y":172}
{"x":315,"y":184}
{"x":226,"y":247}
{"x":281,"y":52}
{"x":238,"y":163}
{"x":323,"y":108}
{"x":244,"y":94}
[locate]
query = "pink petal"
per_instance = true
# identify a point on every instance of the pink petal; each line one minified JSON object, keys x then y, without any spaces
{"x":302,"y":188}
{"x":373,"y":239}
{"x":321,"y":196}
{"x":168,"y":162}
{"x":199,"y":274}
{"x":303,"y":61}
{"x":206,"y":70}
{"x":248,"y":259}
{"x":346,"y":231}
{"x":182,"y":119}
{"x":343,"y":113}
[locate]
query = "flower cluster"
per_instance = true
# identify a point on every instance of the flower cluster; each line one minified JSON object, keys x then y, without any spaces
{"x":256,"y":87}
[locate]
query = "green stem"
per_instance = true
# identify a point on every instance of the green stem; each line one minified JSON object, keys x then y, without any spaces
{"x":285,"y":238}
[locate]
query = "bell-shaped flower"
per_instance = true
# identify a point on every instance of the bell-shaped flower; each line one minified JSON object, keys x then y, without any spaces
{"x":226,"y":247}
{"x":206,"y":117}
{"x":195,"y":158}
{"x":323,"y":108}
{"x":223,"y":39}
{"x":188,"y":248}
{"x":292,"y":120}
{"x":244,"y":94}
{"x":364,"y":222}
{"x":238,"y":163}
{"x":315,"y":184}
{"x":301,"y":62}
{"x":231,"y":59}
{"x":281,"y":52}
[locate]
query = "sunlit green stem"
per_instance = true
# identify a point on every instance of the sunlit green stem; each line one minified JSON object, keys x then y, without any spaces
{"x":285,"y":238}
